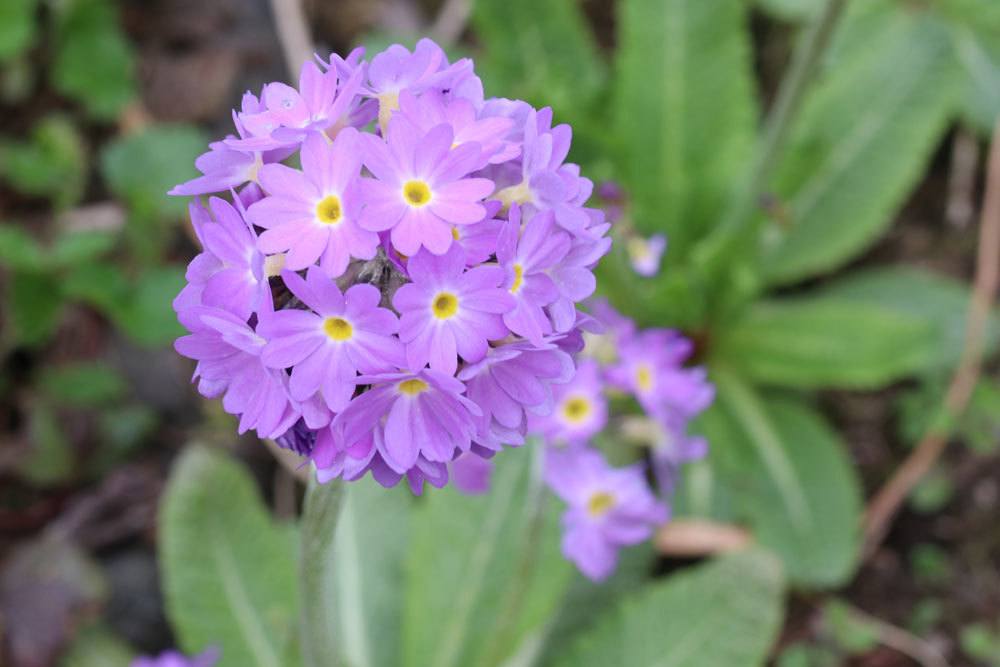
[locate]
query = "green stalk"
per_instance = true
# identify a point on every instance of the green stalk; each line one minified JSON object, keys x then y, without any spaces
{"x":319,"y":522}
{"x":741,"y":224}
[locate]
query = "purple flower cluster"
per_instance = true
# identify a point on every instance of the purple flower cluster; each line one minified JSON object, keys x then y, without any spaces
{"x":392,"y":283}
{"x":175,"y":659}
{"x":611,"y":508}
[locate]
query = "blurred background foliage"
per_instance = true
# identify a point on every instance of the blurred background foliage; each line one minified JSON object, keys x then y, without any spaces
{"x":830,"y":312}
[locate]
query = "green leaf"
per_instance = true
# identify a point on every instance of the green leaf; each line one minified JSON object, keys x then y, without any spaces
{"x":550,"y":59}
{"x":34,"y":305}
{"x":82,"y":384}
{"x":140,"y":169}
{"x":365,"y":573}
{"x":78,"y":247}
{"x":727,"y":612}
{"x":789,"y":476}
{"x":93,"y":61}
{"x":229,"y":572}
{"x":791,"y":10}
{"x":977,"y":49}
{"x":576,"y":613}
{"x":812,"y":343}
{"x":51,"y":164}
{"x":50,"y":459}
{"x":17,"y":27}
{"x":687,"y":120}
{"x":482,"y":572}
{"x":149,"y":318}
{"x":939,"y":302}
{"x":19,"y":250}
{"x":862,"y":140}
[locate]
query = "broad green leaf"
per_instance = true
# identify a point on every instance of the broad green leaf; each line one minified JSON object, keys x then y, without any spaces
{"x":938,"y":301}
{"x":861,"y":141}
{"x":78,"y":247}
{"x":685,"y":110}
{"x":82,"y":384}
{"x":93,"y":61}
{"x":17,"y":27}
{"x":19,"y":250}
{"x":482,"y":572}
{"x":52,"y":163}
{"x":141,"y":168}
{"x":789,"y":476}
{"x":34,"y":305}
{"x":50,"y":460}
{"x":539,"y":51}
{"x":727,"y":612}
{"x":804,"y":342}
{"x":149,"y":318}
{"x":578,"y":615}
{"x":229,"y":572}
{"x":365,"y":576}
{"x":977,"y":49}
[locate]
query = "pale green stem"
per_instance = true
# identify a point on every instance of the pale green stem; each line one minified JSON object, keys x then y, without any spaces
{"x":741,"y":222}
{"x":319,"y":522}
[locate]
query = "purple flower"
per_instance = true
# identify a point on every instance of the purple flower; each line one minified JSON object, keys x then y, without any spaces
{"x":287,"y":116}
{"x":406,"y":416}
{"x":650,"y":368}
{"x":527,"y":255}
{"x":645,"y":254}
{"x":426,"y":69}
{"x":581,"y":410}
{"x":312,"y":214}
{"x":608,"y":508}
{"x":471,"y":474}
{"x":175,"y":659}
{"x":448,"y":311}
{"x":430,"y":110}
{"x":478,"y":240}
{"x":327,"y":346}
{"x":670,"y":446}
{"x":511,"y":380}
{"x":229,"y":364}
{"x":545,"y":183}
{"x":574,"y":276}
{"x":230,"y":272}
{"x":420,"y":187}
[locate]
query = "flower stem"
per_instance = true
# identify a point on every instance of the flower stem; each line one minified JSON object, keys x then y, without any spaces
{"x":740,"y":224}
{"x":319,"y":522}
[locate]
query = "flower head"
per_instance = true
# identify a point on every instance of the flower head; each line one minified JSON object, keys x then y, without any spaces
{"x":608,"y":508}
{"x":645,"y":254}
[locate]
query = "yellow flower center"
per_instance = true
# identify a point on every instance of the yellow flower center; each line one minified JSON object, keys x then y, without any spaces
{"x":576,"y":409}
{"x":599,"y":503}
{"x":445,"y":305}
{"x":515,"y":194}
{"x":518,"y":279}
{"x":328,"y":210}
{"x":644,"y":377}
{"x":416,"y":193}
{"x":412,"y":387}
{"x":454,"y":233}
{"x":337,"y":328}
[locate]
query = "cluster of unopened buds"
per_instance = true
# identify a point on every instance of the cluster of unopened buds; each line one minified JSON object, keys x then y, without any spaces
{"x":404,"y":300}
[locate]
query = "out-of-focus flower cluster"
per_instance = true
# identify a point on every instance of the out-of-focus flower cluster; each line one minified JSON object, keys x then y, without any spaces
{"x":610,"y":508}
{"x":175,"y":659}
{"x":405,"y":294}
